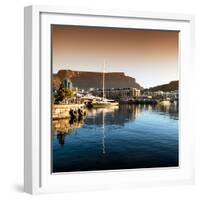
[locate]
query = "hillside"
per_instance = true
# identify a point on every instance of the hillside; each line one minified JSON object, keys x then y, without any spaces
{"x":86,"y":80}
{"x":173,"y":85}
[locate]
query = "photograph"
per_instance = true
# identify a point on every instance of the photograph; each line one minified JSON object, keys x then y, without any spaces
{"x":114,"y":98}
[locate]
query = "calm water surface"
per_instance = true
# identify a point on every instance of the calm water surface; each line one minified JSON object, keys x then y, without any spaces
{"x":123,"y":137}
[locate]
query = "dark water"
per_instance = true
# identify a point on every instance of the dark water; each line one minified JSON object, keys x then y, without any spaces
{"x":117,"y":138}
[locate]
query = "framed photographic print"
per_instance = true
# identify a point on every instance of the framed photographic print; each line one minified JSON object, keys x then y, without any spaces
{"x":106,"y":99}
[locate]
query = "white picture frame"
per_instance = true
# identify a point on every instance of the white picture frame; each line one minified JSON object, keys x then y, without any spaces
{"x":37,"y":135}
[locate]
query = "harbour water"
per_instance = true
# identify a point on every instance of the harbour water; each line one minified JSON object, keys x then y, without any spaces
{"x":124,"y":137}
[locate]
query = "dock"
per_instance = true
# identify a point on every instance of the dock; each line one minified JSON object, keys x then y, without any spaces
{"x":64,"y":111}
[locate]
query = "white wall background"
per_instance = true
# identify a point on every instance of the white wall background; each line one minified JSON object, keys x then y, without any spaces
{"x":11,"y":101}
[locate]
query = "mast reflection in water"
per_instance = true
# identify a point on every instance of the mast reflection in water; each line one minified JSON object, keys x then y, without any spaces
{"x":123,"y":137}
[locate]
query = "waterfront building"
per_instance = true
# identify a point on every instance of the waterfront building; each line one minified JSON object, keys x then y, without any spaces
{"x":67,"y":84}
{"x":136,"y":92}
{"x":157,"y":94}
{"x":91,"y":89}
{"x":54,"y":91}
{"x":173,"y":94}
{"x":118,"y":93}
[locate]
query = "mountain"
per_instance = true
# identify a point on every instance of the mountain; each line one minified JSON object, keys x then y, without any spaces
{"x":86,"y":80}
{"x":171,"y":86}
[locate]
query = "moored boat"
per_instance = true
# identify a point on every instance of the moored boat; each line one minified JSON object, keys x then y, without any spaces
{"x":104,"y":102}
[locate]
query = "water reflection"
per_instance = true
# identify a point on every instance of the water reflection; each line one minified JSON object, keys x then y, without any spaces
{"x":103,"y":133}
{"x":172,"y":109}
{"x":123,"y":137}
{"x":102,"y":117}
{"x":64,"y":127}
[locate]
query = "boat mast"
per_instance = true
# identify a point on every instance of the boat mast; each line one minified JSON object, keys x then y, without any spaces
{"x":104,"y":65}
{"x":103,"y":133}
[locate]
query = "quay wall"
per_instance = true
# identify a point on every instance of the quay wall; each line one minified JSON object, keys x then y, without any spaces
{"x":62,"y":111}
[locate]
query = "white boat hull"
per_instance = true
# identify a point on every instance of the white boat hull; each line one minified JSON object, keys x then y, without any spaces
{"x":106,"y":104}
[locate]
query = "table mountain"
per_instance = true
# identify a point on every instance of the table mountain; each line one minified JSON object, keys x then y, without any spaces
{"x":86,"y":80}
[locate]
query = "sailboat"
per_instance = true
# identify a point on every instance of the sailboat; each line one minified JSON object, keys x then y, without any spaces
{"x":104,"y":102}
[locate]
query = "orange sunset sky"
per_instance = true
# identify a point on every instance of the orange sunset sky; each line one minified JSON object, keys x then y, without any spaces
{"x":147,"y":55}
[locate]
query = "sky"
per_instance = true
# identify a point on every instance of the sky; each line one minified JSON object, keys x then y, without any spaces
{"x":149,"y":56}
